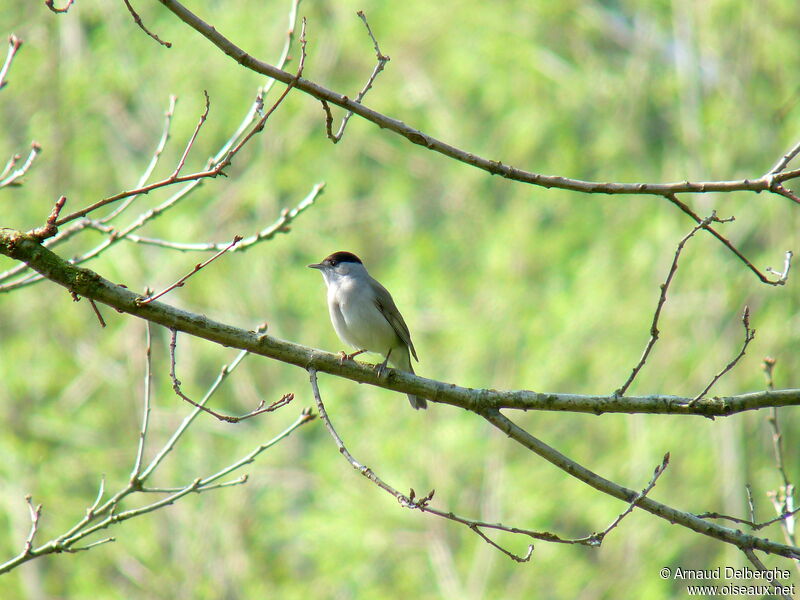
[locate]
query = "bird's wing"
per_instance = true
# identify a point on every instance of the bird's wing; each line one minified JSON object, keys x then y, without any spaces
{"x":385,"y":304}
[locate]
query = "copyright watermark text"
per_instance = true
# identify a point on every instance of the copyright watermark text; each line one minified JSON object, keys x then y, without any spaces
{"x":727,"y":581}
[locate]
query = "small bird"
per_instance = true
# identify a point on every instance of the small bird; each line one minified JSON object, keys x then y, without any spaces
{"x":365,"y":316}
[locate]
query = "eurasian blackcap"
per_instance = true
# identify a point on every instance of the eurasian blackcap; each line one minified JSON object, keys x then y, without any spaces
{"x":364,"y":314}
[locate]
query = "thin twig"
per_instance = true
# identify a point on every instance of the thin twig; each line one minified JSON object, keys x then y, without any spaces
{"x":256,"y":108}
{"x":259,"y":126}
{"x":148,"y":387}
{"x":749,"y":334}
{"x":162,"y":144}
{"x":258,"y":410}
{"x":224,"y":373}
{"x":654,"y":332}
{"x":656,"y":474}
{"x":14,"y":44}
{"x":73,"y":550}
{"x":382,"y":60}
{"x":422,"y":504}
{"x":49,"y":229}
{"x":778,"y":588}
{"x":782,"y":499}
{"x":725,"y":241}
{"x":785,"y":160}
{"x":169,"y":490}
{"x":191,"y":182}
{"x":281,"y":225}
{"x":65,"y":234}
{"x":101,"y":516}
{"x":182,"y":281}
{"x":750,"y":504}
{"x":751,"y":523}
{"x":189,"y":145}
{"x":138,"y":20}
{"x":50,"y":4}
{"x":782,"y":190}
{"x":12,"y":179}
{"x":97,"y":312}
{"x":12,"y":162}
{"x":787,"y":265}
{"x":36,"y":514}
{"x":215,"y":167}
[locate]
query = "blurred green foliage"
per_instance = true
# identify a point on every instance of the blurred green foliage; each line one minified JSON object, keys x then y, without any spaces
{"x":504,"y":285}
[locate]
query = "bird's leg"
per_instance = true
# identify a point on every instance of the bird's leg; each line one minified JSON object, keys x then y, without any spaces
{"x":343,"y":356}
{"x":381,"y":368}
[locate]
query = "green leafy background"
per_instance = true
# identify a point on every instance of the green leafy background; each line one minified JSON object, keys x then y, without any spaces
{"x":504,"y":285}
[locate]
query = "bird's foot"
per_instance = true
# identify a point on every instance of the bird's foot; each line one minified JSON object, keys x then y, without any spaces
{"x":343,"y":356}
{"x":380,"y":369}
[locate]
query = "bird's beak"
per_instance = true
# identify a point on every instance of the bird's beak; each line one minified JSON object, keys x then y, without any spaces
{"x":316,"y":266}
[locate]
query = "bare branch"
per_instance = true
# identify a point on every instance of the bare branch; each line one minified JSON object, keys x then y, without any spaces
{"x":654,"y":332}
{"x":180,"y":282}
{"x":760,"y":184}
{"x":224,"y":373}
{"x":751,"y":522}
{"x":138,"y":21}
{"x":688,"y":520}
{"x":189,"y":145}
{"x":787,"y":264}
{"x":656,"y":474}
{"x":148,"y":388}
{"x":259,"y":126}
{"x":101,"y":516}
{"x":423,"y":504}
{"x":66,"y":234}
{"x":97,"y":313}
{"x":7,"y":179}
{"x":162,"y":143}
{"x":50,"y":4}
{"x":751,"y":556}
{"x":725,"y":241}
{"x":783,"y":498}
{"x":49,"y":229}
{"x":190,"y":183}
{"x":281,"y":225}
{"x":786,"y":193}
{"x":749,"y":334}
{"x":485,"y":402}
{"x":382,"y":60}
{"x":36,"y":514}
{"x":14,"y":44}
{"x":411,"y":501}
{"x":785,"y":160}
{"x":216,"y":166}
{"x":750,"y":504}
{"x":256,"y":108}
{"x":258,"y":410}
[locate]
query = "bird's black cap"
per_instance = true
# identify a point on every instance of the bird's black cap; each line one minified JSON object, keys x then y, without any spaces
{"x":340,"y":257}
{"x":336,"y":258}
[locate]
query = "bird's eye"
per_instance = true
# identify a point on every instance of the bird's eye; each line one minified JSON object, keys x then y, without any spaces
{"x":334,"y":263}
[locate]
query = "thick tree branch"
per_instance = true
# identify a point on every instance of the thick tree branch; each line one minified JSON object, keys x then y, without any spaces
{"x":89,"y":284}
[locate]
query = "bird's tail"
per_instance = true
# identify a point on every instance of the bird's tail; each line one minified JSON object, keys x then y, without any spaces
{"x":403,"y":362}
